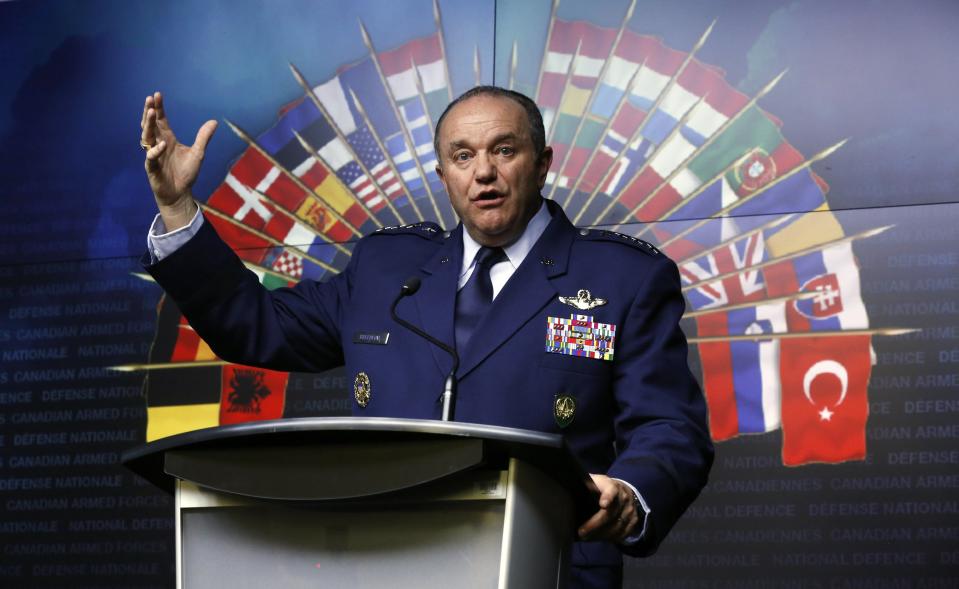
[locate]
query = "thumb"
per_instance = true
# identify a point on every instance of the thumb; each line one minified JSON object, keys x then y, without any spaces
{"x":607,"y":489}
{"x":203,"y":136}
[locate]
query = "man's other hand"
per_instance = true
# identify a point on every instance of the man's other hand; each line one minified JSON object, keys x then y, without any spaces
{"x":617,"y":517}
{"x":171,"y":166}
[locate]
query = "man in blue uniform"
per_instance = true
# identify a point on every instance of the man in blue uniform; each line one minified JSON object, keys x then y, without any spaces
{"x":559,"y":329}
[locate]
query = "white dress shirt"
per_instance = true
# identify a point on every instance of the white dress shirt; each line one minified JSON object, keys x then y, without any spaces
{"x":515,"y":252}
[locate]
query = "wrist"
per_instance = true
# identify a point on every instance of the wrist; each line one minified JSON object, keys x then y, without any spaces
{"x":180,"y":213}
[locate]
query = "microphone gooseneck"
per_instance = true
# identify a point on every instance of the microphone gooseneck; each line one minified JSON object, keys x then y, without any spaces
{"x":409,"y":288}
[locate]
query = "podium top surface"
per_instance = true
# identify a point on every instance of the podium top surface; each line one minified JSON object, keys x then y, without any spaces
{"x":340,"y":428}
{"x":548,"y":452}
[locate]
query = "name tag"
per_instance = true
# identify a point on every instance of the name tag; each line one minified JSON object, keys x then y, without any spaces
{"x":579,"y":335}
{"x":375,"y":338}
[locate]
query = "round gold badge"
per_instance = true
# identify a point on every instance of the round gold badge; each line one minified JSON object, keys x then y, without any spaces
{"x":564,"y":409}
{"x":361,"y":389}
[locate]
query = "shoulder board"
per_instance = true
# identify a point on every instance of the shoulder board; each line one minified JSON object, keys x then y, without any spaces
{"x":424,"y":229}
{"x":603,"y":235}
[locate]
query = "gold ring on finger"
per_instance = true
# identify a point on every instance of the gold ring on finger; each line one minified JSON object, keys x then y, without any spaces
{"x":145,"y":146}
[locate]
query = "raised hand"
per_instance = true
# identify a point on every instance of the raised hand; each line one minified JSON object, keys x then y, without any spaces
{"x":171,"y":166}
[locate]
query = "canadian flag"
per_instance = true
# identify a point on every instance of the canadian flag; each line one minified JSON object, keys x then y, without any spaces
{"x":824,"y":401}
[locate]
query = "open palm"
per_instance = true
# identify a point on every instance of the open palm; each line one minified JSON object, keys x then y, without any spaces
{"x":171,"y":166}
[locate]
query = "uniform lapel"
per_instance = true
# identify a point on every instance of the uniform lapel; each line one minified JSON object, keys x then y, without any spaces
{"x":525,"y":294}
{"x":437,"y":296}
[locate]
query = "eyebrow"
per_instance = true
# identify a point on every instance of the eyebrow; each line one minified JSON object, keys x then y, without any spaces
{"x":454,"y":145}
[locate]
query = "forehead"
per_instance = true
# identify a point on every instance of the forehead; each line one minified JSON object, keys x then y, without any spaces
{"x":481,"y":115}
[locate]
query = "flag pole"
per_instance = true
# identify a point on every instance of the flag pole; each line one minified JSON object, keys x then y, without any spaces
{"x":513,"y":62}
{"x":477,"y":77}
{"x":167,"y":365}
{"x":346,"y":144}
{"x":800,"y":334}
{"x":438,"y":21}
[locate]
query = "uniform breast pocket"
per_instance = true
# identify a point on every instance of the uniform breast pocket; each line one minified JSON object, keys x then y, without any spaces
{"x":576,"y":364}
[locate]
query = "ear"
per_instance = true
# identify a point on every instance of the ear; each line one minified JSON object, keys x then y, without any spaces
{"x":542,"y":167}
{"x":439,"y":174}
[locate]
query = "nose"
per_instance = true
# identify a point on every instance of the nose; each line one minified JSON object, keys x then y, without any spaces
{"x":485,"y":170}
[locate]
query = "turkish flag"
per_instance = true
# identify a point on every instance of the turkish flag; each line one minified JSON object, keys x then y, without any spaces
{"x":251,"y":394}
{"x":824,"y":401}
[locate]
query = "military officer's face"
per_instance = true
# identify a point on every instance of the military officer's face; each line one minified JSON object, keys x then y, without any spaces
{"x":490,"y":169}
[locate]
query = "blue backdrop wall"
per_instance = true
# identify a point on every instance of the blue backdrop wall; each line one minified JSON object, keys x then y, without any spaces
{"x":787,"y":506}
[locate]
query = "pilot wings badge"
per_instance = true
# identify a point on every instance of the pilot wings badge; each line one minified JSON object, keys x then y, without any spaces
{"x":583,"y":300}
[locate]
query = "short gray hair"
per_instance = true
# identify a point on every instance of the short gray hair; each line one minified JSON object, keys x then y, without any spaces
{"x":536,"y":129}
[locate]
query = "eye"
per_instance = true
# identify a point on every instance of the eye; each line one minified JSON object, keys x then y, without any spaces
{"x":505,"y":150}
{"x":461,"y":156}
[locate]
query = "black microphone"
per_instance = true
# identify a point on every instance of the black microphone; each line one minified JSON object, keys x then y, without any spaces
{"x":409,"y":288}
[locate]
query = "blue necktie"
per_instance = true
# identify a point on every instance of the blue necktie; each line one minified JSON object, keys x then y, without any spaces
{"x":475,"y":298}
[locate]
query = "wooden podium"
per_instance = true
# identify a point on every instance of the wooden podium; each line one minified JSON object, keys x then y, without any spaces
{"x":369,"y":502}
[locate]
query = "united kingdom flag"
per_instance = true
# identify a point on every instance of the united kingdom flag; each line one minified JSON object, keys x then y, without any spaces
{"x":739,"y":281}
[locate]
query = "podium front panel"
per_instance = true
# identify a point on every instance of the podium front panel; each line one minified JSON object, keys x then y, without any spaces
{"x":395,"y":546}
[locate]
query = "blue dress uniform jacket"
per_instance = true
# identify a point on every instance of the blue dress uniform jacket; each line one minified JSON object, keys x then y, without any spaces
{"x":639,"y":417}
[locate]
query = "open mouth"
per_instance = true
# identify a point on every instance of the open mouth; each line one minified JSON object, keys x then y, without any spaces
{"x":488,"y":199}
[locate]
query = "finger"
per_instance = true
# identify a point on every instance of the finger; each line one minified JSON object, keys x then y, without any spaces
{"x":595,"y":525}
{"x":203,"y":136}
{"x":158,"y":99}
{"x":147,"y":104}
{"x":609,"y":496}
{"x":148,"y":135}
{"x":616,"y":528}
{"x":153,"y":155}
